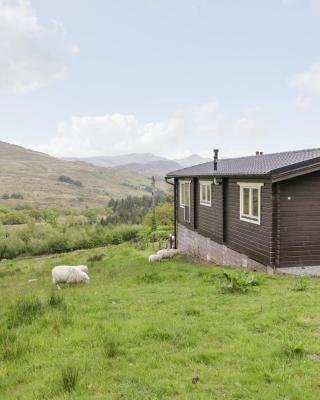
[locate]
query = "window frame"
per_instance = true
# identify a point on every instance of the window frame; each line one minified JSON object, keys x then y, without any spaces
{"x":182,"y":204}
{"x":250,"y":217}
{"x":205,"y":183}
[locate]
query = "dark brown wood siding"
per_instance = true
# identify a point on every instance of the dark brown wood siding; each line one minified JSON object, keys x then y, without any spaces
{"x":180,"y":210}
{"x":299,"y":221}
{"x":210,"y":219}
{"x":247,"y":238}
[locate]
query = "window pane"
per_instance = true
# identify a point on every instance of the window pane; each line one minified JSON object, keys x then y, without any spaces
{"x":187,"y":194}
{"x":246,"y":194}
{"x":208,"y":193}
{"x":203,"y":193}
{"x":255,"y":203}
{"x":182,"y":194}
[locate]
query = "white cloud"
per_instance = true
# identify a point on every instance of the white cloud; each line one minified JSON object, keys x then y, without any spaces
{"x":307,"y":81}
{"x":31,"y":54}
{"x":316,"y":6}
{"x":302,"y":102}
{"x":199,"y":129}
{"x":112,"y":134}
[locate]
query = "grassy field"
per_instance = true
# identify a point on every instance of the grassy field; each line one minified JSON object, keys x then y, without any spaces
{"x":141,"y":331}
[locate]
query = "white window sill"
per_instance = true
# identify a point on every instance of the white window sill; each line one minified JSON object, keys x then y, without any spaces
{"x":248,"y":219}
{"x":205,"y":204}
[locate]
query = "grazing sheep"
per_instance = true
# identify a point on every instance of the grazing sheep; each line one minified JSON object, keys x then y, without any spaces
{"x":83,"y":268}
{"x":168,"y":253}
{"x":162,"y":251}
{"x":69,"y":274}
{"x":155,"y":258}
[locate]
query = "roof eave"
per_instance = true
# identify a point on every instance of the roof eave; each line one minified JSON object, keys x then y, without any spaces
{"x":239,"y":175}
{"x":294,"y":170}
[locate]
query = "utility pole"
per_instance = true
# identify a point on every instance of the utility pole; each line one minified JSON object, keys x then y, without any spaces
{"x":154,"y":223}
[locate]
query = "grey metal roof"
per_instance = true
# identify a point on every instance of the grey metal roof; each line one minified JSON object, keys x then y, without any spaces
{"x":252,"y":165}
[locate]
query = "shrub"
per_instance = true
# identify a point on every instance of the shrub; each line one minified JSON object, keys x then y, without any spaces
{"x":91,"y":214}
{"x":69,"y":377}
{"x":240,"y":282}
{"x":22,"y":207}
{"x":37,"y":239}
{"x":5,"y":196}
{"x":67,"y":179}
{"x":164,"y":216}
{"x":25,"y":311}
{"x":13,"y":217}
{"x":11,"y":247}
{"x":17,"y":196}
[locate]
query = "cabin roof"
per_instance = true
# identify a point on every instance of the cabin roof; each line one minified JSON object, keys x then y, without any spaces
{"x":262,"y":164}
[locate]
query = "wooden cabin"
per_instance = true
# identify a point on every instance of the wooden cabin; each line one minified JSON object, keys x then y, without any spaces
{"x":260,"y":212}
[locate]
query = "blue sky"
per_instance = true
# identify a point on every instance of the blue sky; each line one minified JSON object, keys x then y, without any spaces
{"x":171,"y":77}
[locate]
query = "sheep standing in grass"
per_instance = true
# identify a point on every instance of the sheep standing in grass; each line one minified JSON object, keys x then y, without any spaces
{"x":168,"y":253}
{"x":69,"y":274}
{"x":83,"y":268}
{"x":155,"y":258}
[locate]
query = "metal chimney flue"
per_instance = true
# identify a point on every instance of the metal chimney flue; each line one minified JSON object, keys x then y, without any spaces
{"x":215,"y":159}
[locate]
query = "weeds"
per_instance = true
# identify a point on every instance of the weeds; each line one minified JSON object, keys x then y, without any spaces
{"x":151,"y":277}
{"x":300,"y":285}
{"x":157,"y":334}
{"x":69,"y":376}
{"x":237,"y":282}
{"x":25,"y":311}
{"x":56,"y":300}
{"x":294,"y":349}
{"x":95,"y":257}
{"x":111,"y":348}
{"x":11,"y":345}
{"x":192,"y":312}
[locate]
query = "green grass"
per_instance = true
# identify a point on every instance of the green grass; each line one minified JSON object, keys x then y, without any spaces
{"x":141,"y":331}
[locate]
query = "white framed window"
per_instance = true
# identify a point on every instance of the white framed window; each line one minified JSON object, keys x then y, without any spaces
{"x":205,"y":193}
{"x":250,"y":202}
{"x":184,"y":190}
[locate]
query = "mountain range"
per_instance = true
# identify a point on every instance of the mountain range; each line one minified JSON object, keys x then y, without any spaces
{"x":145,"y":163}
{"x":45,"y":181}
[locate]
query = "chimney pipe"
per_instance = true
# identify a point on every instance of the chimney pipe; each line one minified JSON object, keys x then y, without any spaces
{"x":261,"y":153}
{"x":257,"y":153}
{"x":215,"y":159}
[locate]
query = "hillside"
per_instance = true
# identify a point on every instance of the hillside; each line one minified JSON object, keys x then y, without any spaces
{"x":35,"y":175}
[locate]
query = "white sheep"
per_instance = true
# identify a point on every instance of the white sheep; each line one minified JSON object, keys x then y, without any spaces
{"x":83,"y":268}
{"x":162,"y":251}
{"x":168,"y":253}
{"x":69,"y":274}
{"x":155,"y":258}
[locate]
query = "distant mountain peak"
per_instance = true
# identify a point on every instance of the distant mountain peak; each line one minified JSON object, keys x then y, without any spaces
{"x":193,"y":159}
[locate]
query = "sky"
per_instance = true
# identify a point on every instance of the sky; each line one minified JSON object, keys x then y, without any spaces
{"x":171,"y":77}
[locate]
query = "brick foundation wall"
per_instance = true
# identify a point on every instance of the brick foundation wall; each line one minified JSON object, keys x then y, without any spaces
{"x":205,"y":248}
